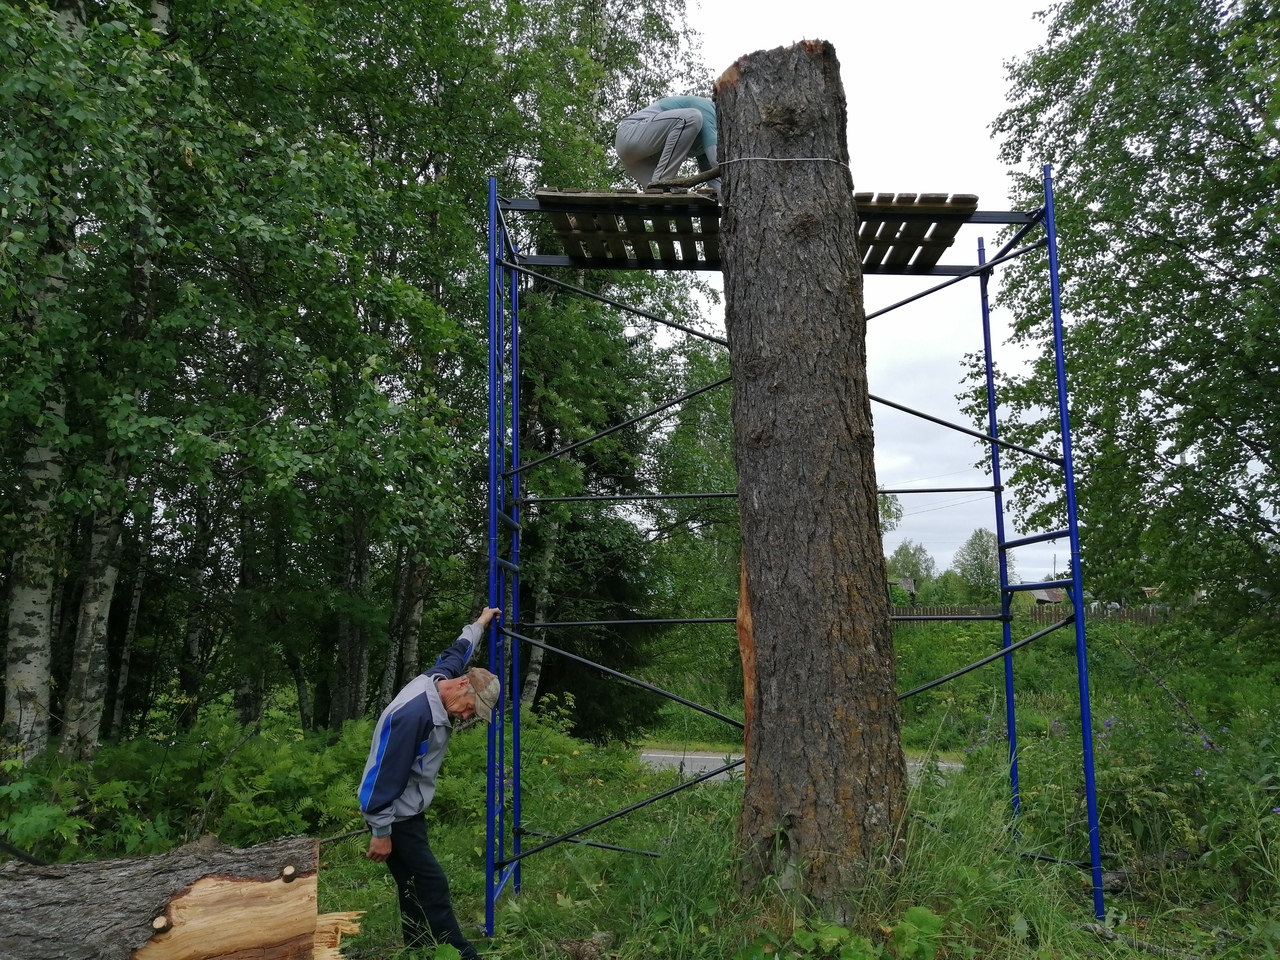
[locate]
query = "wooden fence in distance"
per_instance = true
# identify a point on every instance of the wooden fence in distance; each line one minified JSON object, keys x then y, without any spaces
{"x":1042,"y":615}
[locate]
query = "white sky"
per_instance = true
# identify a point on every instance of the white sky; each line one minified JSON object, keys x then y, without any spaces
{"x":924,"y":80}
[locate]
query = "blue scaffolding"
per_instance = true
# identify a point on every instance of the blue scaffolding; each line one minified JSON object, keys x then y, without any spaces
{"x":902,"y":235}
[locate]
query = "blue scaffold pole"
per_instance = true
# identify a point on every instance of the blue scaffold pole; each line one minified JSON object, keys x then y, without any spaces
{"x":495,"y":478}
{"x":512,"y":873}
{"x":1073,"y":527}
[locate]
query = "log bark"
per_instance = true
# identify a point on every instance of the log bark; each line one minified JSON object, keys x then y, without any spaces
{"x":203,"y":901}
{"x":826,"y":784}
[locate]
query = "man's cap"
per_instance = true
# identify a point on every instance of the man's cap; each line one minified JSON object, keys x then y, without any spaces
{"x":487,"y":690}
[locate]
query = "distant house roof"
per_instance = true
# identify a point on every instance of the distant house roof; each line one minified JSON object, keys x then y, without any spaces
{"x":1051,"y":595}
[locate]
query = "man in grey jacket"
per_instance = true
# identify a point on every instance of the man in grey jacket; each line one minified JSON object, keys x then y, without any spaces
{"x":399,"y":782}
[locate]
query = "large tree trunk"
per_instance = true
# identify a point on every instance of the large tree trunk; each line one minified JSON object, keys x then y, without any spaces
{"x":199,"y":902}
{"x":825,"y":791}
{"x":87,"y":688}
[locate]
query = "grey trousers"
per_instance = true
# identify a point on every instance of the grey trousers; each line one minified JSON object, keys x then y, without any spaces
{"x":653,"y":143}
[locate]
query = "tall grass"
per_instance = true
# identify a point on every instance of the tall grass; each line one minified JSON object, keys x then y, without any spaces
{"x":1189,"y":800}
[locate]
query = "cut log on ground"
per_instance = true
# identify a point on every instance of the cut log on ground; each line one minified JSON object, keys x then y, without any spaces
{"x":826,"y":778}
{"x":203,"y":901}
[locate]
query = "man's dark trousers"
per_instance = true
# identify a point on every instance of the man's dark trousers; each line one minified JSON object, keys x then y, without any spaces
{"x":425,"y":911}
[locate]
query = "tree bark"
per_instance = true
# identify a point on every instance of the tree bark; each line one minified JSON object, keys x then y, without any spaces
{"x":826,"y":786}
{"x":541,"y":604}
{"x":353,"y":640}
{"x":306,"y":716}
{"x":411,"y":626}
{"x":87,"y":688}
{"x":408,"y":599}
{"x":191,"y":664}
{"x":131,"y":626}
{"x":198,"y":902}
{"x":28,"y":657}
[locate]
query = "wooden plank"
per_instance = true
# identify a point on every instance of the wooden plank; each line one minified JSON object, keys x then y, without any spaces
{"x":608,"y":224}
{"x":663,"y":227}
{"x":913,"y":231}
{"x":896,"y":232}
{"x":638,"y":234}
{"x":588,"y":200}
{"x":943,"y":233}
{"x":566,"y":234}
{"x":589,"y":234}
{"x":688,"y":238}
{"x":883,"y":205}
{"x":907,"y":233}
{"x":886,"y":232}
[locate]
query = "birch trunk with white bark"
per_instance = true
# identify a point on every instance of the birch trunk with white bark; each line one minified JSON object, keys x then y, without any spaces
{"x":87,"y":686}
{"x":28,"y":654}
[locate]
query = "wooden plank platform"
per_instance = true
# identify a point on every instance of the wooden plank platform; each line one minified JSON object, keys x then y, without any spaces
{"x":903,"y":233}
{"x":654,"y":230}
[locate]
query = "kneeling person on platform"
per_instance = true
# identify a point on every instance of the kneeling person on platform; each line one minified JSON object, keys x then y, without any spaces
{"x":652,"y":143}
{"x":399,"y":781}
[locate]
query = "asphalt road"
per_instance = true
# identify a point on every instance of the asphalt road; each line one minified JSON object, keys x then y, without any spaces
{"x":692,"y":763}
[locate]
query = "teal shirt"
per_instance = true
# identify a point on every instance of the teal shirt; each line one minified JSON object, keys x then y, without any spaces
{"x":707,"y":136}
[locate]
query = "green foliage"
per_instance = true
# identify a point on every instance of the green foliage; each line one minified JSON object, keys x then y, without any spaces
{"x":1159,"y":117}
{"x":911,"y":560}
{"x":977,"y":563}
{"x":238,"y":260}
{"x":1187,"y":819}
{"x":823,"y":942}
{"x":144,"y":796}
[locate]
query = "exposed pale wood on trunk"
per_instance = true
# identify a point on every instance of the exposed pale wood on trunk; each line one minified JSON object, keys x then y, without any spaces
{"x":203,"y":901}
{"x":747,"y":651}
{"x":827,"y":787}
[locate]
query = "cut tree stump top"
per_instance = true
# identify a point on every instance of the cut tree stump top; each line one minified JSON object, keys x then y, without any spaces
{"x":904,"y":233}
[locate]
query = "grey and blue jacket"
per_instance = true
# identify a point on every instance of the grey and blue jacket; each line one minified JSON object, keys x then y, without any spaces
{"x":410,"y":741}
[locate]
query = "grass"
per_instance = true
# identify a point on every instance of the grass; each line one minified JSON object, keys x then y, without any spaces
{"x":965,"y":888}
{"x":1189,"y":803}
{"x":1192,"y":843}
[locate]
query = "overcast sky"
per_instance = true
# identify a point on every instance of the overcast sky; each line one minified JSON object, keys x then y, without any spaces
{"x":924,"y":80}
